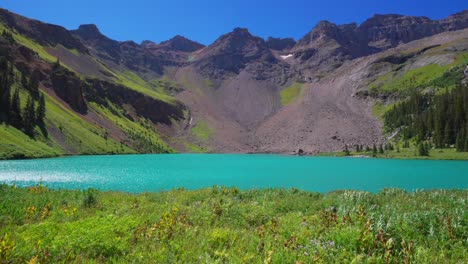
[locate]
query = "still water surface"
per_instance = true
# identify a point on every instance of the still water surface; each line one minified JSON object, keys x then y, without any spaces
{"x":141,"y":173}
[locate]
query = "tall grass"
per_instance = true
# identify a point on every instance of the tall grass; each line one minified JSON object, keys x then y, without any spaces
{"x":226,"y":225}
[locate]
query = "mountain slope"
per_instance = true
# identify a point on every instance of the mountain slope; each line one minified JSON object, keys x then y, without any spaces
{"x":82,"y":116}
{"x":239,"y":94}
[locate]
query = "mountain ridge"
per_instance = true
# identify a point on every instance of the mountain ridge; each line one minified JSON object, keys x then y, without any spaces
{"x":241,"y":93}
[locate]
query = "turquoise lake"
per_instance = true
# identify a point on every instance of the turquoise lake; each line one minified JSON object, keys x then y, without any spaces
{"x":142,"y":173}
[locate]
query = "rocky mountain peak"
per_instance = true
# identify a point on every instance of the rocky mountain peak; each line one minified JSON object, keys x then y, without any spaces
{"x":456,"y":21}
{"x":181,"y":43}
{"x":148,"y":44}
{"x":322,"y":31}
{"x":232,"y":52}
{"x":88,"y":31}
{"x":239,"y":40}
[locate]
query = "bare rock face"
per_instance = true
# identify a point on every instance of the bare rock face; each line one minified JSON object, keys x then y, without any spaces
{"x":173,"y":52}
{"x":280,"y":44}
{"x":328,"y":45}
{"x":100,"y":45}
{"x":455,"y":22}
{"x":69,"y":88}
{"x":180,"y":43}
{"x":231,"y":53}
{"x":101,"y":92}
{"x":127,"y":53}
{"x":89,"y":32}
{"x":386,"y":31}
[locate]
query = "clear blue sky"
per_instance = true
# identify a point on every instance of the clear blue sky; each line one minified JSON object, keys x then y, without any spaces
{"x":205,"y":20}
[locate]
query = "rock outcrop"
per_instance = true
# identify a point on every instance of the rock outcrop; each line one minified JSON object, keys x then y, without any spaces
{"x":180,"y":43}
{"x":328,"y":45}
{"x":280,"y":44}
{"x":231,"y":53}
{"x":69,"y":88}
{"x":157,"y":111}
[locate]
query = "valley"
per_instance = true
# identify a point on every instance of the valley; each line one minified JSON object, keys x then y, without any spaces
{"x":240,"y":94}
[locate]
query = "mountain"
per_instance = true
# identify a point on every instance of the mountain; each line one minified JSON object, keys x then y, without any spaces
{"x":328,"y":45}
{"x":180,"y":43}
{"x":241,"y":93}
{"x":232,"y":52}
{"x":280,"y":44}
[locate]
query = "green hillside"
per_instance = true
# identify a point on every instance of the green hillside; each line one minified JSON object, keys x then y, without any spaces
{"x":64,"y":131}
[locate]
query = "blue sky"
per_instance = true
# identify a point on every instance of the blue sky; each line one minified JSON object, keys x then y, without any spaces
{"x":205,"y":20}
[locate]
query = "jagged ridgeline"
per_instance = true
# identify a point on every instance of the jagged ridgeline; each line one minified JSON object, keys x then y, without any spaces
{"x":67,"y":92}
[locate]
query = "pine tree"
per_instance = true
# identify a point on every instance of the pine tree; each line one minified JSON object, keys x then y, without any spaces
{"x":346,"y":150}
{"x":466,"y":137}
{"x":33,"y":84}
{"x":466,"y":143}
{"x":41,"y":110}
{"x":381,"y":150}
{"x":438,"y":137}
{"x":357,"y":148}
{"x":15,"y":111}
{"x":406,"y":144}
{"x":447,"y":138}
{"x":24,"y":81}
{"x":8,"y":36}
{"x":5,"y":97}
{"x":56,"y":65}
{"x":460,"y":142}
{"x":427,"y":148}
{"x":29,"y":117}
{"x":423,"y":149}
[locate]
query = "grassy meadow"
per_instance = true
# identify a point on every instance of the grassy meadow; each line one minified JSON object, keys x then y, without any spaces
{"x":226,"y":225}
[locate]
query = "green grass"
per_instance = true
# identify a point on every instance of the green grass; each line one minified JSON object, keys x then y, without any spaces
{"x":77,"y":136}
{"x":434,"y":154}
{"x":15,"y":144}
{"x":225,"y":225}
{"x":144,"y":136}
{"x":378,"y":110}
{"x":192,"y":148}
{"x":395,"y":82}
{"x":208,"y":83}
{"x":407,"y":153}
{"x":202,"y":130}
{"x":166,"y":86}
{"x":30,"y":44}
{"x":84,"y":137}
{"x":134,"y":82}
{"x":74,"y":51}
{"x":290,"y":94}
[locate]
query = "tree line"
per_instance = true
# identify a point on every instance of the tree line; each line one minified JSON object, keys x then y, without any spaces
{"x":441,"y":119}
{"x":11,"y":111}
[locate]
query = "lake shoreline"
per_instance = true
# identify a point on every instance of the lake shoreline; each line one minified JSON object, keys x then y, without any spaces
{"x":463,"y":156}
